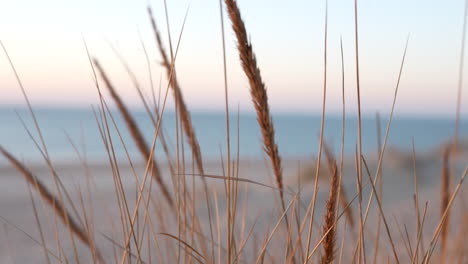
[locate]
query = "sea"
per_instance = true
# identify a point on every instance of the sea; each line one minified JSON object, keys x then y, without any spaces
{"x":68,"y":133}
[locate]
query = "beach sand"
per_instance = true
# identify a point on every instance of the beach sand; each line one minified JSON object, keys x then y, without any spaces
{"x":93,"y":187}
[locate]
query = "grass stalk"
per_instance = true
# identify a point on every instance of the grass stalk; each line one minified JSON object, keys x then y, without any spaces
{"x":257,"y":90}
{"x":329,"y":246}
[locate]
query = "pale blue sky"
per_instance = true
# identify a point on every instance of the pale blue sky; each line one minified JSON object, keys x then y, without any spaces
{"x":44,"y":40}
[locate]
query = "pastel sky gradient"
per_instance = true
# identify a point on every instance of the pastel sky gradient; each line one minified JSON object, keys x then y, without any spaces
{"x":44,"y":39}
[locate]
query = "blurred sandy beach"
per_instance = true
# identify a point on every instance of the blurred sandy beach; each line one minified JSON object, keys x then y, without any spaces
{"x":93,"y":188}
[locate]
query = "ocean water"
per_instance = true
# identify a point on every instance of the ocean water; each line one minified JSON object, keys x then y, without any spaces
{"x":297,"y":134}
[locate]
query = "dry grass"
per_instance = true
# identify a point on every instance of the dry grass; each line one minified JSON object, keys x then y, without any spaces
{"x":56,"y":204}
{"x":444,"y":199}
{"x":340,"y":190}
{"x":185,"y":118}
{"x":329,"y":244}
{"x":239,"y":231}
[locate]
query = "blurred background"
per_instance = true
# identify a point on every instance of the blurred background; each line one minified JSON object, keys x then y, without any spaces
{"x":46,"y":41}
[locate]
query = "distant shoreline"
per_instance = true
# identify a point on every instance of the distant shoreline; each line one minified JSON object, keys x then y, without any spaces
{"x":449,"y":116}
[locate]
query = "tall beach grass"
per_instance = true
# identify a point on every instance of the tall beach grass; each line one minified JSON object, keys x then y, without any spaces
{"x":174,"y":221}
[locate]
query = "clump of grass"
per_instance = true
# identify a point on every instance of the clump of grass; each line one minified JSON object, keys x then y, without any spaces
{"x":191,"y":250}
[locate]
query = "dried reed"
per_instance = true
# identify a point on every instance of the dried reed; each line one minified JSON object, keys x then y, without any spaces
{"x":330,"y":216}
{"x":444,"y":198}
{"x":258,"y":92}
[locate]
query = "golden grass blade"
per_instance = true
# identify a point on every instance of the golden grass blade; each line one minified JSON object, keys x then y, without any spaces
{"x":359,"y":130}
{"x":341,"y":191}
{"x":322,"y":128}
{"x":242,"y":180}
{"x":380,"y":182}
{"x":230,"y":186}
{"x":244,"y":242}
{"x":416,"y":203}
{"x":330,"y":215}
{"x":444,"y":198}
